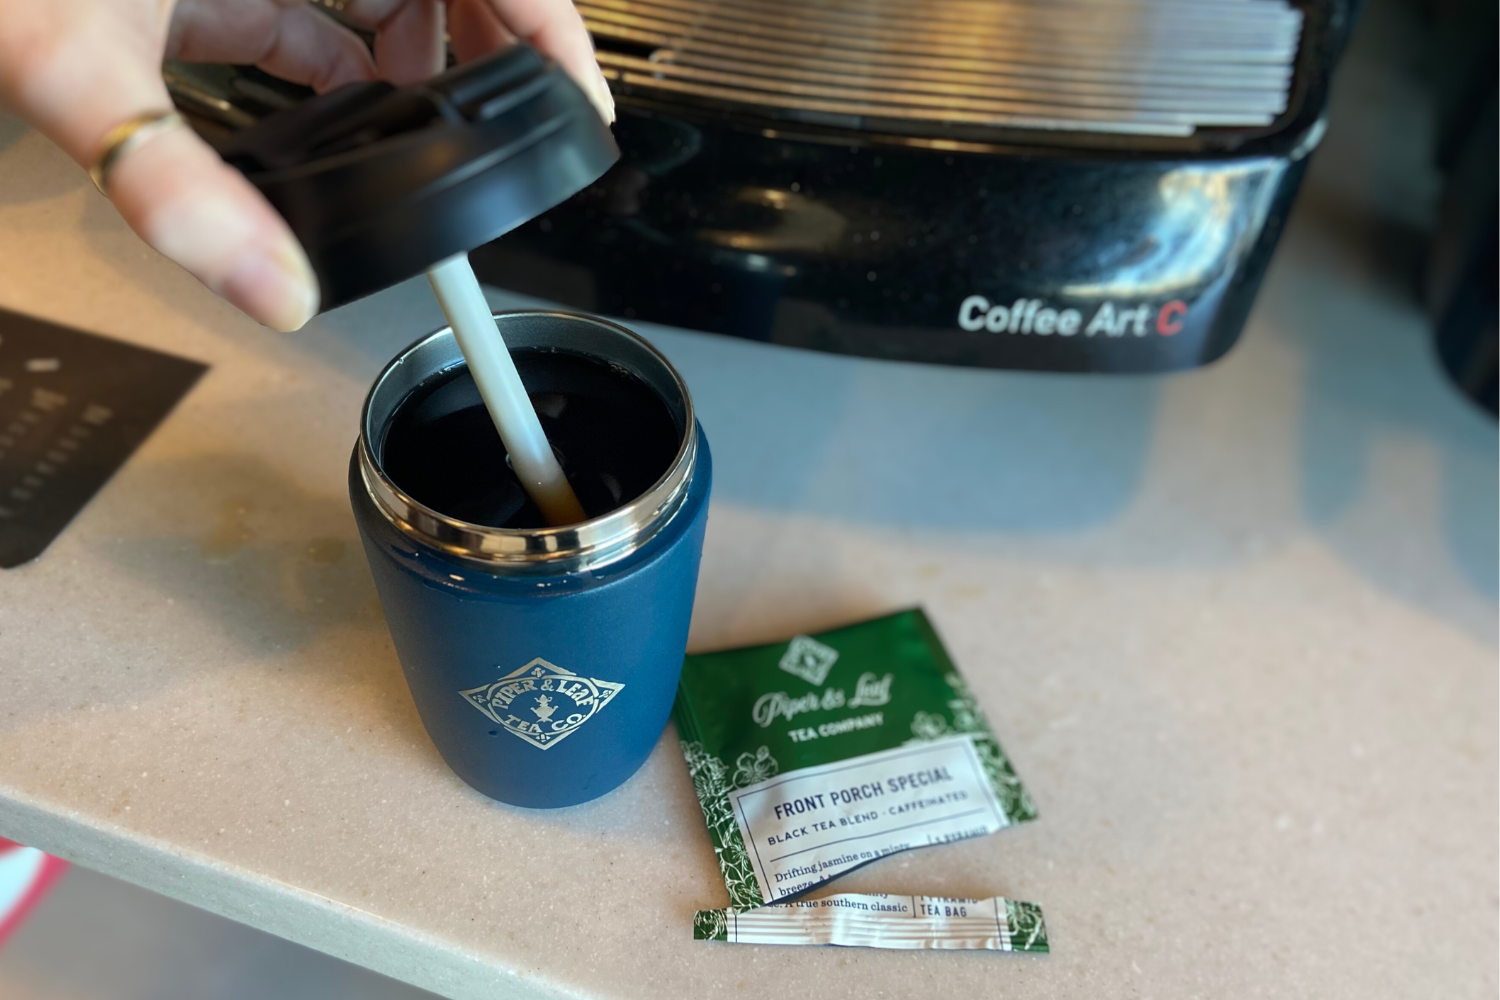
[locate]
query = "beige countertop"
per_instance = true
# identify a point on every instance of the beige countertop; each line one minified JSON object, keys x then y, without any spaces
{"x":1236,"y":627}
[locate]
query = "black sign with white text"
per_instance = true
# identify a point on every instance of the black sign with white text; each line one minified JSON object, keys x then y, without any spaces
{"x":73,"y":407}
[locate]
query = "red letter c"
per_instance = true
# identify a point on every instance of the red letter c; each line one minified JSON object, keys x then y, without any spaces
{"x":1169,"y":320}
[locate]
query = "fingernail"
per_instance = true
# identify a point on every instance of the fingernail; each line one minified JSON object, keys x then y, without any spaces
{"x":267,"y":276}
{"x":275,"y":286}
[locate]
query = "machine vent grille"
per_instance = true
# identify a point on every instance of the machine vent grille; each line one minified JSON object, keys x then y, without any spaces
{"x":1148,"y":67}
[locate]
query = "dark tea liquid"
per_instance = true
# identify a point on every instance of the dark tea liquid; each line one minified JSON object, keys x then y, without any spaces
{"x":612,"y":434}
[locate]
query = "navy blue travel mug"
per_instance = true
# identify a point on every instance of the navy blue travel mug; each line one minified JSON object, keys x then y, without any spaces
{"x":543,"y":661}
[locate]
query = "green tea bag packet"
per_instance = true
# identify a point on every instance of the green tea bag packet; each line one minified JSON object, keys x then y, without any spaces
{"x":878,"y":921}
{"x":813,"y":757}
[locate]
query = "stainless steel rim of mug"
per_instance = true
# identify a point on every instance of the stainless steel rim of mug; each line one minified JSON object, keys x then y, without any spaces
{"x":592,"y":544}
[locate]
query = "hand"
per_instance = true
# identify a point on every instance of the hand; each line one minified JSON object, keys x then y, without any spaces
{"x":75,"y":69}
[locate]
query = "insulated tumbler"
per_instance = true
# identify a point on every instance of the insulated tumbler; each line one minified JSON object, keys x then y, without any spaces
{"x":543,"y":661}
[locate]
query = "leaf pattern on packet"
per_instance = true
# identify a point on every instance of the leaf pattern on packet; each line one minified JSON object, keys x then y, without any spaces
{"x":1027,"y":930}
{"x":968,"y":718}
{"x":711,"y":925}
{"x":929,"y":726}
{"x":711,"y":784}
{"x":752,"y":769}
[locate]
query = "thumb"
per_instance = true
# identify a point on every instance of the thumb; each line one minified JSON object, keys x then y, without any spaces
{"x":76,"y":77}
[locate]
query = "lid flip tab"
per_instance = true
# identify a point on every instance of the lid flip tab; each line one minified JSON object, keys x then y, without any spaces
{"x":380,"y":182}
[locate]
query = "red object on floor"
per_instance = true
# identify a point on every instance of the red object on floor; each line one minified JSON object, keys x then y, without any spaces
{"x":26,"y":874}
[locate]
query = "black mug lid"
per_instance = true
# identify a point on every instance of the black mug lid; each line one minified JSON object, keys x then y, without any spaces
{"x":381,"y":182}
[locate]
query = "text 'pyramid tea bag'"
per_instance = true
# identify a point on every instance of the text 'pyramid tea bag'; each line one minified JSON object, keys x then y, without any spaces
{"x":813,"y":757}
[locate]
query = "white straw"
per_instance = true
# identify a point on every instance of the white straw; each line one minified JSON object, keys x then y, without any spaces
{"x":500,"y":387}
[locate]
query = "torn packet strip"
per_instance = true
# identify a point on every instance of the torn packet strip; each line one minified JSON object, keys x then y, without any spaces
{"x":881,"y":921}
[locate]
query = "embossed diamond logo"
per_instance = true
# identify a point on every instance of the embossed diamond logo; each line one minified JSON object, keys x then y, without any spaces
{"x":809,"y":659}
{"x":541,"y":702}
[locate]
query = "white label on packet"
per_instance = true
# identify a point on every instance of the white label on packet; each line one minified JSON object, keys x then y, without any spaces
{"x":808,"y":826}
{"x":880,"y":921}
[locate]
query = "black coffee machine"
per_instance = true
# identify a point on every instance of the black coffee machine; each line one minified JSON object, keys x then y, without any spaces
{"x":1072,"y":186}
{"x":1003,"y":185}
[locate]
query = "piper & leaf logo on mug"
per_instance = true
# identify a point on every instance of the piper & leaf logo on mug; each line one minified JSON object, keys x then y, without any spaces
{"x":541,"y":702}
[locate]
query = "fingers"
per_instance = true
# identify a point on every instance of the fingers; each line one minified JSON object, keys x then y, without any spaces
{"x":188,"y":204}
{"x":475,"y":29}
{"x":555,"y":28}
{"x":74,"y":77}
{"x":287,"y":38}
{"x":75,"y":70}
{"x":408,"y":36}
{"x":409,"y":47}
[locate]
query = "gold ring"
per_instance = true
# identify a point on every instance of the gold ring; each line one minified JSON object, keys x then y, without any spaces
{"x":126,"y":137}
